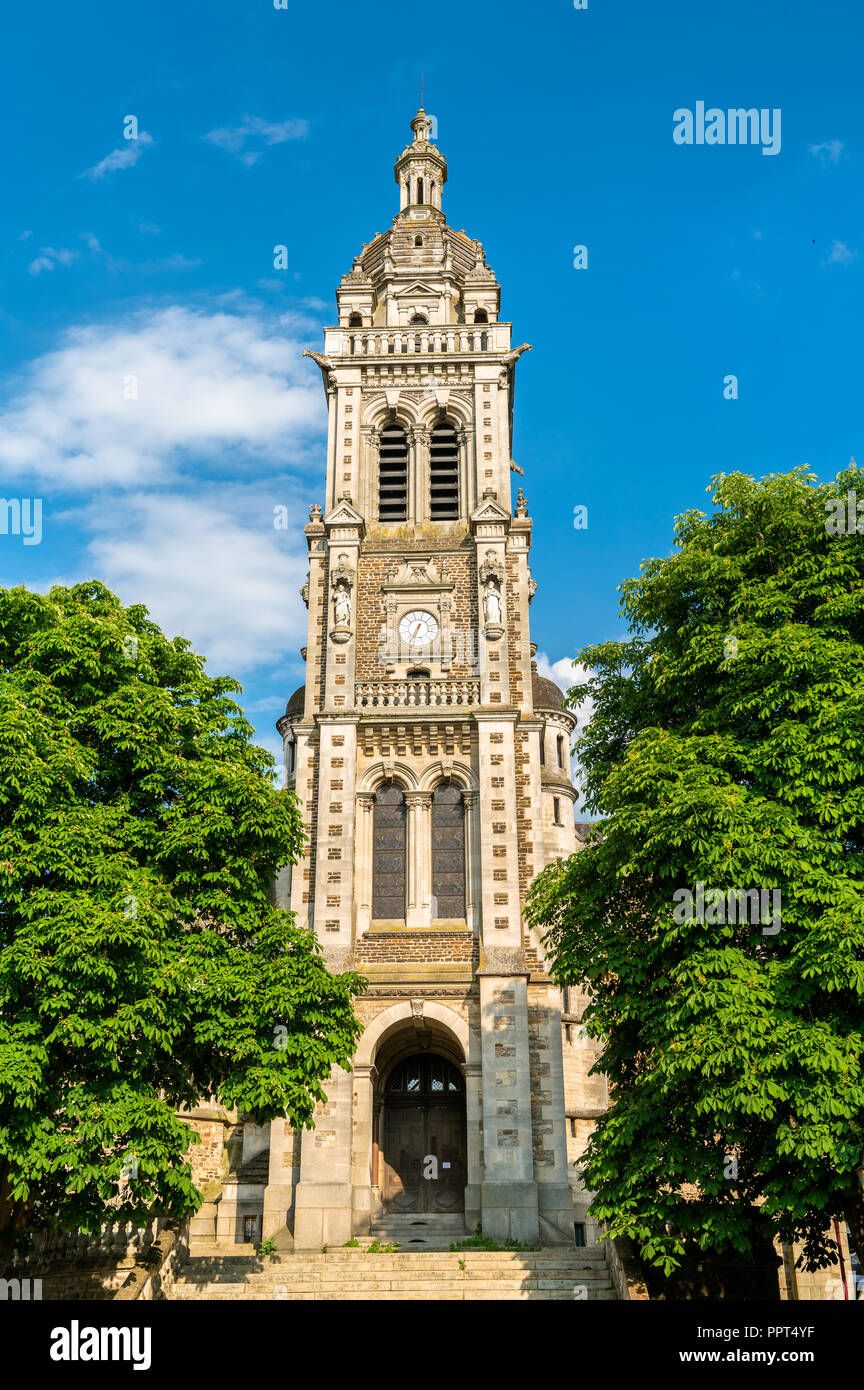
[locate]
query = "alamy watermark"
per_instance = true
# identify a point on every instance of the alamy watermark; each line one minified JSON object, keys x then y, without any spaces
{"x":846,"y":515}
{"x":21,"y":516}
{"x":757,"y":906}
{"x":733,"y":127}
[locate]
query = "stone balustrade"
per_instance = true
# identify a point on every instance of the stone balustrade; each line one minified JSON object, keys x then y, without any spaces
{"x":416,"y":693}
{"x":388,"y":342}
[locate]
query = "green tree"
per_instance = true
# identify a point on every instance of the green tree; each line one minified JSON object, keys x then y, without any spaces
{"x":727,"y":748}
{"x":143,"y":964}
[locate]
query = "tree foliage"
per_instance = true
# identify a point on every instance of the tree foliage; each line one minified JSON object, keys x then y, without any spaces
{"x":726,"y":747}
{"x":143,"y":965}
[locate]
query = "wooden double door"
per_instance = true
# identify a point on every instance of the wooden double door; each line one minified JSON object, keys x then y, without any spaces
{"x":423,"y":1138}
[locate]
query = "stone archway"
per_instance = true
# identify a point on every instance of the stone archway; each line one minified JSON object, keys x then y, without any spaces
{"x":411,"y":1028}
{"x":423,"y":1158}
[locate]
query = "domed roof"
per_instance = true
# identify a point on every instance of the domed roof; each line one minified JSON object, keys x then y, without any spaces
{"x":546,"y":694}
{"x":297,"y":702}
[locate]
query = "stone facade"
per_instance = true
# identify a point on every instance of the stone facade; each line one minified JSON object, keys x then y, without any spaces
{"x":421,"y":357}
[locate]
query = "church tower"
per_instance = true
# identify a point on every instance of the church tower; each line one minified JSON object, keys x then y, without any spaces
{"x":432,"y":767}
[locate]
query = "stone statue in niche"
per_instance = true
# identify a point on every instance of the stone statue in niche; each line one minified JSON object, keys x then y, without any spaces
{"x":341,"y":579}
{"x":342,"y":605}
{"x":492,"y":604}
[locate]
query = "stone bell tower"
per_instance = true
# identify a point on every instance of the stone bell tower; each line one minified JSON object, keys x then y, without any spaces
{"x":432,"y":765}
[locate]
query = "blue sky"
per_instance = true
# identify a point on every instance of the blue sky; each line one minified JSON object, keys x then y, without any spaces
{"x":154,"y":259}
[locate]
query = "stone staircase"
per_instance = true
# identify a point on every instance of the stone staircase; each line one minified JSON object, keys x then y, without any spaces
{"x":421,"y":1275}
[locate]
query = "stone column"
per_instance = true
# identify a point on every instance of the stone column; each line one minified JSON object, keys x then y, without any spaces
{"x":365,"y":1080}
{"x":365,"y":811}
{"x":554,"y":1196}
{"x":509,"y":1190}
{"x":471,"y":801}
{"x":323,"y":1207}
{"x":282,"y":1178}
{"x":474,"y":1119}
{"x":420,"y":490}
{"x":419,"y":858}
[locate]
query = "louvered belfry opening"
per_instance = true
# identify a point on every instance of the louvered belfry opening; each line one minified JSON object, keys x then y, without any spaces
{"x":389,"y":845}
{"x":448,"y":851}
{"x":444,"y":473}
{"x":393,"y":475}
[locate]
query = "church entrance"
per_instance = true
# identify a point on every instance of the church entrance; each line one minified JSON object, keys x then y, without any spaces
{"x":423,"y":1138}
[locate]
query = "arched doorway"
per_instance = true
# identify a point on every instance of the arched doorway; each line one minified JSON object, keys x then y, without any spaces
{"x":423,"y":1137}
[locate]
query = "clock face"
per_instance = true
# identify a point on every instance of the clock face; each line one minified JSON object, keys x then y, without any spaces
{"x":418,"y":629}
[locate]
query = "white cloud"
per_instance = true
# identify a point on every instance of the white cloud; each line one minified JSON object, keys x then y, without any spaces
{"x":50,"y":257}
{"x":211,"y":567}
{"x":231,"y":387}
{"x":828,"y":152}
{"x":564,"y":673}
{"x":124,"y":157}
{"x":233,"y":138}
{"x":840,"y":254}
{"x":148,"y":228}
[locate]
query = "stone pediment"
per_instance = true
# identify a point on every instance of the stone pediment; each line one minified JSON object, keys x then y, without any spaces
{"x":343,"y":523}
{"x":490,"y":509}
{"x":343,"y":514}
{"x":418,"y":573}
{"x":417,"y":287}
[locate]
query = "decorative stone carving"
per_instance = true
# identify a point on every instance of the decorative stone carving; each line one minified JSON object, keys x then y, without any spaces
{"x":492,"y":605}
{"x":341,"y":578}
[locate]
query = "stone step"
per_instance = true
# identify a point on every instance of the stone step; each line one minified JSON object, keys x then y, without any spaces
{"x":433,"y":1292}
{"x":433,"y":1259}
{"x":282,"y":1273}
{"x":353,"y":1274}
{"x":457,"y":1279}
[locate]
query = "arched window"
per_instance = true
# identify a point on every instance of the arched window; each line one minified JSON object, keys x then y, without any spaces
{"x":448,"y":852}
{"x":480,"y":316}
{"x":355,"y":321}
{"x":444,"y":473}
{"x":389,"y":842}
{"x":419,"y":190}
{"x":418,"y":318}
{"x":393,"y":475}
{"x":418,"y":241}
{"x":560,"y":750}
{"x":425,"y":1074}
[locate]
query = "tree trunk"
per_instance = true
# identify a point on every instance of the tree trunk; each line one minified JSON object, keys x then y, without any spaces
{"x":854,"y":1215}
{"x":13,"y":1219}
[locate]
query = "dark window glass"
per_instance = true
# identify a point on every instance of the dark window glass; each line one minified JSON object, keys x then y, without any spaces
{"x":393,"y":475}
{"x":444,"y":474}
{"x":425,"y":1074}
{"x":388,"y":854}
{"x":448,"y":851}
